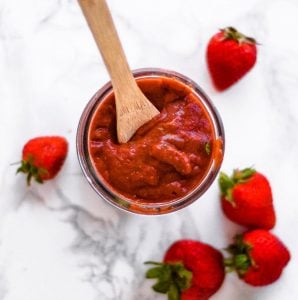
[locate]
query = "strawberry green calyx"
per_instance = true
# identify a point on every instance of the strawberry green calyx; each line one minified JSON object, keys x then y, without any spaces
{"x":230,"y":33}
{"x":28,"y":167}
{"x":227,"y":183}
{"x":172,"y":278}
{"x":240,"y":260}
{"x":240,"y":176}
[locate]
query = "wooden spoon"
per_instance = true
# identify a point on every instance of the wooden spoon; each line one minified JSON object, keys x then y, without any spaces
{"x":133,"y":109}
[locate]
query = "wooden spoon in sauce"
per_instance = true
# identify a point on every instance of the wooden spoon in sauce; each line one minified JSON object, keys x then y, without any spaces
{"x":133,"y":109}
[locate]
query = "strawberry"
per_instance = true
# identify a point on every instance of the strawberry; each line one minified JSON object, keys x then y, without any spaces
{"x":258,"y":257}
{"x":246,"y":199}
{"x":230,"y":55}
{"x":43,"y":157}
{"x":190,"y":270}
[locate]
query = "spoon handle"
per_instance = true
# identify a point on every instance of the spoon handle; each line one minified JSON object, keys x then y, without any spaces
{"x":100,"y":21}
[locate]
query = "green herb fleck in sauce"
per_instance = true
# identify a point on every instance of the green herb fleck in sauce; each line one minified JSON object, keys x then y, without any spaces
{"x":207,"y":148}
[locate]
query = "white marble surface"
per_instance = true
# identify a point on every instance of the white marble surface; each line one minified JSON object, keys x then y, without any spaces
{"x":59,"y":240}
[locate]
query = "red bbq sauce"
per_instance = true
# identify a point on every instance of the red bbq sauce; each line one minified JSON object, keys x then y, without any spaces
{"x":167,"y":157}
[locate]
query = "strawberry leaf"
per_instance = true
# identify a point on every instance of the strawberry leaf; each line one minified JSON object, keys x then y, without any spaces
{"x":172,"y":278}
{"x":154,"y":272}
{"x":240,"y":176}
{"x":240,"y":259}
{"x":161,"y":287}
{"x":28,"y":167}
{"x":173,"y":293}
{"x":226,"y":185}
{"x":229,"y":264}
{"x":185,"y":277}
{"x":230,"y":33}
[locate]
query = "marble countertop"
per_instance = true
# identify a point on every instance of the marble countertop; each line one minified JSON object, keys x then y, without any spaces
{"x":59,"y":240}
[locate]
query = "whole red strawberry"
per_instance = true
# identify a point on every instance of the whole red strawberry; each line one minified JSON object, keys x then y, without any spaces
{"x":230,"y":55}
{"x":258,"y":257}
{"x":246,"y":199}
{"x":43,"y":157}
{"x":190,"y":270}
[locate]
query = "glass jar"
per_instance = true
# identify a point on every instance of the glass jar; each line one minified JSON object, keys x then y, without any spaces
{"x":106,"y":192}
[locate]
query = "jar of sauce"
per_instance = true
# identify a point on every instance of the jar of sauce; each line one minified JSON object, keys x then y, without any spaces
{"x":169,"y":162}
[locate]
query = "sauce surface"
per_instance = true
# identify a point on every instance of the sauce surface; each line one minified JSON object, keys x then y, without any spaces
{"x":167,"y":157}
